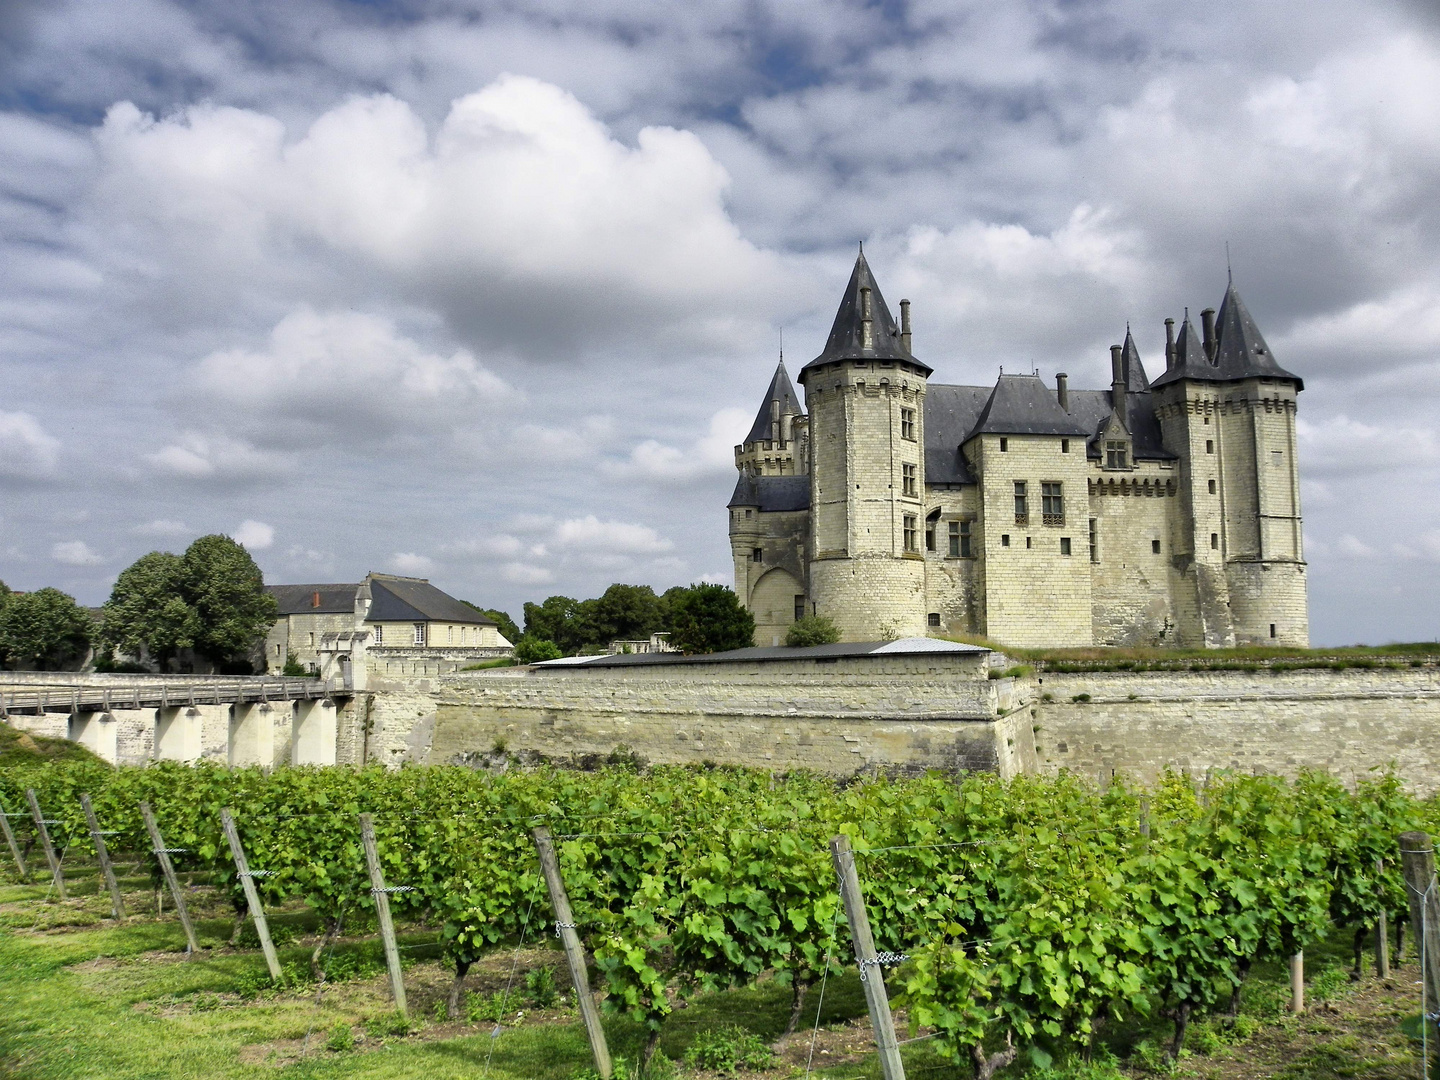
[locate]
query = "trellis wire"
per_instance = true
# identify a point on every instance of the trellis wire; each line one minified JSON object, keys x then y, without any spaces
{"x":505,"y":998}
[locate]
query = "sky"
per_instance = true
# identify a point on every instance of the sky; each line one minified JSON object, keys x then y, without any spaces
{"x":487,"y":291}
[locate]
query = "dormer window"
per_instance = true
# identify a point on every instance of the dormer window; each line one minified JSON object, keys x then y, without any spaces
{"x":1117,"y":453}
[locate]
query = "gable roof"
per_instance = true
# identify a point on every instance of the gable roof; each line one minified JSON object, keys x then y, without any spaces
{"x":846,"y":339}
{"x":950,"y":413}
{"x":300,"y":599}
{"x":781,"y":391}
{"x":1023,"y":405}
{"x":398,"y":599}
{"x":1240,"y":349}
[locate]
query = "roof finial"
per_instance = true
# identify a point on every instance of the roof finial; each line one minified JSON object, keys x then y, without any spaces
{"x":782,"y":345}
{"x":1229,"y":273}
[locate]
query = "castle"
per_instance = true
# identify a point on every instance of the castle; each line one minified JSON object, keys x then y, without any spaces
{"x":1152,"y":513}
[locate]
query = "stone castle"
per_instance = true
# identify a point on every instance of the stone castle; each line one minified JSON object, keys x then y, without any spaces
{"x":1152,"y":513}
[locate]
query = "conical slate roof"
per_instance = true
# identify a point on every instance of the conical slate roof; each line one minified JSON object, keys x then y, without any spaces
{"x":1190,"y":359}
{"x":781,"y":391}
{"x":845,"y":341}
{"x":1240,"y":349}
{"x":1023,"y":405}
{"x":1135,"y":380}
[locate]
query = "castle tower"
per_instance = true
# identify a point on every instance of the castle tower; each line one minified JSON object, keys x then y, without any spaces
{"x":865,"y":397}
{"x":776,"y":445}
{"x":1228,"y":410}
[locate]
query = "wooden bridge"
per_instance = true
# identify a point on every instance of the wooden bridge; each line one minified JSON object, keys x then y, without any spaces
{"x":20,"y":697}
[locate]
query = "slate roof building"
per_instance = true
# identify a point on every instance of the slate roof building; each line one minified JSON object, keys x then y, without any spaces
{"x":1164,"y":512}
{"x":383,"y":621}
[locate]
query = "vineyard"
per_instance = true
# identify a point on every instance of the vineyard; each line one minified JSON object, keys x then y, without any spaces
{"x":1015,"y":923}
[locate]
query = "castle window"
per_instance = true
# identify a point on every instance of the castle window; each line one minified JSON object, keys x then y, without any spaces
{"x":1209,"y":446}
{"x":1212,"y":487}
{"x":1004,"y":445}
{"x":1027,"y":543}
{"x":312,"y":639}
{"x":929,"y":536}
{"x":747,"y":513}
{"x":1115,"y":454}
{"x":1052,"y":502}
{"x":909,"y":529}
{"x":1005,"y":540}
{"x":379,"y":635}
{"x":907,"y":480}
{"x":450,"y":635}
{"x":1272,"y":629}
{"x":1064,"y":446}
{"x":799,"y":606}
{"x":757,"y":554}
{"x":1214,"y":541}
{"x":934,"y":619}
{"x":1277,"y":460}
{"x":1155,"y":547}
{"x":419,"y":633}
{"x":1094,"y":547}
{"x":1064,"y":545}
{"x":907,"y":424}
{"x":1022,"y":504}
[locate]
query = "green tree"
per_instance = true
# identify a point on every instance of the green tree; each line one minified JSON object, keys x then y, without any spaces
{"x":558,"y":620}
{"x":227,"y":591}
{"x":709,"y":618}
{"x":43,"y":630}
{"x":148,"y":613}
{"x":625,"y":612}
{"x":812,"y":630}
{"x":531,"y":650}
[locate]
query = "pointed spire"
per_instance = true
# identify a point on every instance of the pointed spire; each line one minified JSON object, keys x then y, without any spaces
{"x":780,"y":402}
{"x":1240,"y":348}
{"x":864,"y":328}
{"x":1190,"y":361}
{"x":1135,"y":379}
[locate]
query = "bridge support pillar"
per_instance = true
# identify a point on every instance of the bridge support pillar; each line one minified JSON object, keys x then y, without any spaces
{"x":314,"y":734}
{"x":179,"y":734}
{"x":97,"y":732}
{"x":252,"y":734}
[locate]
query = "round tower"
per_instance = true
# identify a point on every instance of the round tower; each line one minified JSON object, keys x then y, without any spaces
{"x":865,"y":396}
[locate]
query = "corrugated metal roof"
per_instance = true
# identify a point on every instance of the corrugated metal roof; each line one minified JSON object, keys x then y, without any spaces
{"x":902,"y":647}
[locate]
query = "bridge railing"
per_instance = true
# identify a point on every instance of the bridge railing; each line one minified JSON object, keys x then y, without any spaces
{"x":161,"y":691}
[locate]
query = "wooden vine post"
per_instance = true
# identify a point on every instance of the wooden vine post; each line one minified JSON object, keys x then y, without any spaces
{"x":1382,"y":927}
{"x":44,"y":833}
{"x":574,"y":953}
{"x":102,"y":854}
{"x":14,"y":847}
{"x":1417,"y":861}
{"x":382,"y":909}
{"x":1297,"y":982}
{"x":162,"y":854}
{"x":252,"y":897}
{"x":871,"y":977}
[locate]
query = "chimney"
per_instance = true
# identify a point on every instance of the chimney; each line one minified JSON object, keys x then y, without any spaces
{"x":1207,"y":324}
{"x":1062,"y":390}
{"x":1117,"y":381}
{"x":1169,"y":344}
{"x":315,"y":600}
{"x":867,"y":322}
{"x":905,"y":325}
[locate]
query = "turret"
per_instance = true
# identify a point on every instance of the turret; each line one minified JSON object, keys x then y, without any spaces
{"x":770,"y":447}
{"x":865,"y":397}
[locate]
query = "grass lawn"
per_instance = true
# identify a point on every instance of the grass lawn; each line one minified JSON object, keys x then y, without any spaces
{"x":84,"y":997}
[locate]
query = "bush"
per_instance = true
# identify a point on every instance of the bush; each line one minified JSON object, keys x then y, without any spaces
{"x":726,"y":1049}
{"x":532,"y":650}
{"x":540,"y":988}
{"x":294,"y":668}
{"x":812,"y":630}
{"x":341,"y":1038}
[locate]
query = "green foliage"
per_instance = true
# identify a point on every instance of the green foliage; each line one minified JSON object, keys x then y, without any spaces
{"x":148,"y":613}
{"x":709,"y":618}
{"x":724,"y":1050}
{"x":557,"y":620}
{"x":43,"y":630}
{"x":19,"y":748}
{"x":341,"y":1038}
{"x":540,"y":987}
{"x":812,"y":630}
{"x":533,"y":650}
{"x":293,"y":667}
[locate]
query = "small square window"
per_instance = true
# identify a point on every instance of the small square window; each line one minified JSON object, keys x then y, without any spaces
{"x":1004,"y":445}
{"x":1207,"y":420}
{"x":1116,"y":454}
{"x":1212,"y":487}
{"x":748,"y":513}
{"x":1004,"y":539}
{"x":1209,"y":446}
{"x":1064,"y":545}
{"x":1277,"y":459}
{"x":934,"y":619}
{"x":1155,"y":547}
{"x":757,"y":554}
{"x":1064,"y":446}
{"x":1214,"y":541}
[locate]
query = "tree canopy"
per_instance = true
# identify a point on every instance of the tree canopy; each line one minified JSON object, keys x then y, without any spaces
{"x":44,"y":630}
{"x":812,"y":630}
{"x":211,"y":600}
{"x":709,"y":618}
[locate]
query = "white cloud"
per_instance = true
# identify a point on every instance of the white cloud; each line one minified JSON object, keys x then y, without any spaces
{"x":525,"y":574}
{"x":162,"y":527}
{"x":297,"y":555}
{"x":1339,"y":445}
{"x":254,"y":535}
{"x":75,"y":553}
{"x":713,"y":454}
{"x":590,"y":534}
{"x":199,"y":456}
{"x":27,"y":451}
{"x":407,"y":562}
